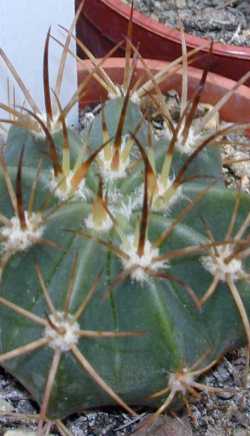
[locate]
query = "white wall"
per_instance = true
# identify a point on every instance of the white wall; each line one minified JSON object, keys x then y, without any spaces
{"x":23,"y":28}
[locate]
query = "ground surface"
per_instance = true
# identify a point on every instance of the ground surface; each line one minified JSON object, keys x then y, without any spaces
{"x":224,"y":415}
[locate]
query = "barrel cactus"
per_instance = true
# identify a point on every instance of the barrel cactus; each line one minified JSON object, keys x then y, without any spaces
{"x":124,"y":260}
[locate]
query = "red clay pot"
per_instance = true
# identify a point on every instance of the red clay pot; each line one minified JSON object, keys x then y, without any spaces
{"x":236,"y":109}
{"x":103,"y":23}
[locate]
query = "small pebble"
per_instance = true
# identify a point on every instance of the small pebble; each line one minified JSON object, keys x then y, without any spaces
{"x":5,"y":406}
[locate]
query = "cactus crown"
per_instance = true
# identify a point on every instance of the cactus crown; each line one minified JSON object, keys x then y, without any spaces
{"x":120,"y":250}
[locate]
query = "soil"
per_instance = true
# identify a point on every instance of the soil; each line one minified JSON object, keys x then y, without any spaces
{"x":221,"y":20}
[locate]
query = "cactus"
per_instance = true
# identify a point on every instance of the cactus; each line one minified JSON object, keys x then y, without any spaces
{"x":124,"y":260}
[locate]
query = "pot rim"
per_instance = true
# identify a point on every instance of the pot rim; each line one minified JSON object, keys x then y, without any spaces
{"x":166,"y":31}
{"x":236,"y":109}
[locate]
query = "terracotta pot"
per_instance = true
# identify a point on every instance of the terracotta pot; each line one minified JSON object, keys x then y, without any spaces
{"x":103,"y":23}
{"x":236,"y":109}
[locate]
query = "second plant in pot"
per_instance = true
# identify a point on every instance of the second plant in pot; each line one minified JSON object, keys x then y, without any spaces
{"x":103,"y":23}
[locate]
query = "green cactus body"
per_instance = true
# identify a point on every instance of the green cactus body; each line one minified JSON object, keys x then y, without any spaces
{"x":117,"y":229}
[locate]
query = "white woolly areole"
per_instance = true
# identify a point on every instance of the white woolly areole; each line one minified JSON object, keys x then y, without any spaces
{"x":105,"y":164}
{"x":135,"y":98}
{"x":64,"y":334}
{"x":127,"y":207}
{"x":124,"y":205}
{"x":175,"y":381}
{"x":217,"y":266}
{"x":191,"y":142}
{"x":63,"y":189}
{"x":55,"y":125}
{"x":129,"y":246}
{"x":88,"y":119}
{"x":18,"y":239}
{"x":119,"y":91}
{"x":105,"y":225}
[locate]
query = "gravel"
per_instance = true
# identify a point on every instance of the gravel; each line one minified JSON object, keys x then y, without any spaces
{"x":16,"y":400}
{"x":226,"y":414}
{"x":222,"y":20}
